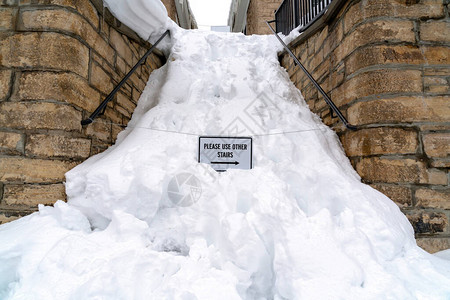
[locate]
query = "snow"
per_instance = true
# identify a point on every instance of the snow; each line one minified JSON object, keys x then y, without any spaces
{"x":299,"y":225}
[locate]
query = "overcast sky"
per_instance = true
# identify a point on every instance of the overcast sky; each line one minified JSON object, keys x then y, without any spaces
{"x":210,"y":12}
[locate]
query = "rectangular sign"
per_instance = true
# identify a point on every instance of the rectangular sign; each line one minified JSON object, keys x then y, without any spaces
{"x":224,"y":153}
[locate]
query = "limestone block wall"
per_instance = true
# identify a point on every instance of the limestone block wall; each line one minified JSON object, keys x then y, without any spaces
{"x":386,"y":64}
{"x":258,"y":12}
{"x":58,"y":61}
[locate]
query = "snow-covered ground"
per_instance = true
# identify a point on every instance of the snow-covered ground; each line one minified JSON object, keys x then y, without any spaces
{"x":299,"y":225}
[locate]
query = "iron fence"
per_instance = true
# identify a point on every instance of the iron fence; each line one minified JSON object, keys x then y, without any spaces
{"x":295,"y":13}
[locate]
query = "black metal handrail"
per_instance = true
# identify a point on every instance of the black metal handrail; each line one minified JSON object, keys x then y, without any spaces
{"x":334,"y":108}
{"x":293,"y":13}
{"x":101,"y":108}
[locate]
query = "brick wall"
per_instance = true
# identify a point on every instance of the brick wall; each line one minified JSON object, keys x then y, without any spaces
{"x":58,"y":61}
{"x":258,"y":12}
{"x":386,"y":64}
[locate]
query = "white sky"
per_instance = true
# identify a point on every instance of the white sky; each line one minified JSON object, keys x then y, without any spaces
{"x":210,"y":12}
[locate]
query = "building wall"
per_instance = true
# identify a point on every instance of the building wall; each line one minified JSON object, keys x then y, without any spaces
{"x":258,"y":12}
{"x":58,"y":60}
{"x":386,"y":64}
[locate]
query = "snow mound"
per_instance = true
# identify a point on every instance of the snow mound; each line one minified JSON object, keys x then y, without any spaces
{"x":299,"y":225}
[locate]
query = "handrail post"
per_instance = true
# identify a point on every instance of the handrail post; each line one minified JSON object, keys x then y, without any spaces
{"x":111,"y":95}
{"x":316,"y":84}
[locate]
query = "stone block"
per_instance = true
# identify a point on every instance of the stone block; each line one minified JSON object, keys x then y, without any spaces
{"x":408,"y":170}
{"x":436,"y":55}
{"x":11,"y":143}
{"x":433,"y":198}
{"x":32,"y":195}
{"x":400,"y":110}
{"x":42,"y":145}
{"x":5,"y":83}
{"x":425,"y":222}
{"x":100,"y":79}
{"x":63,"y":20}
{"x":435,"y":31}
{"x":5,"y":218}
{"x":64,"y":87}
{"x":100,"y":129}
{"x":437,"y":144}
{"x":39,"y":116}
{"x":122,"y":48}
{"x":435,"y":244}
{"x":44,"y":50}
{"x":7,"y":18}
{"x":85,"y":8}
{"x":382,"y":140}
{"x":382,"y":56}
{"x":377,"y":82}
{"x":401,"y":195}
{"x":27,"y":170}
{"x":125,"y":102}
{"x":375,"y":32}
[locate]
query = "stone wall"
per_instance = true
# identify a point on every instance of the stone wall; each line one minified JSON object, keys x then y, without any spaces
{"x":258,"y":12}
{"x":386,"y":64}
{"x":58,"y":61}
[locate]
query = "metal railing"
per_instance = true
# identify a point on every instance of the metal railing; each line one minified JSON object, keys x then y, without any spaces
{"x":293,"y":13}
{"x":330,"y":103}
{"x":102,"y":107}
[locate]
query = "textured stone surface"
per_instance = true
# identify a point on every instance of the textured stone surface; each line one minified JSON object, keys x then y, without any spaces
{"x":433,"y":198}
{"x":437,"y":144}
{"x":433,"y":245}
{"x":44,"y":50}
{"x":427,"y":222}
{"x":17,"y":169}
{"x":435,"y":31}
{"x":7,"y":17}
{"x":43,"y":145}
{"x":100,"y":79}
{"x":401,"y":195}
{"x":11,"y":142}
{"x":5,"y":81}
{"x":400,"y":110}
{"x":382,"y":140}
{"x":64,"y":87}
{"x":32,"y":195}
{"x":39,"y":116}
{"x":398,"y":171}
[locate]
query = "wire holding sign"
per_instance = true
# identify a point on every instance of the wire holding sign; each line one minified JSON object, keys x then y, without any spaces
{"x":224,"y":153}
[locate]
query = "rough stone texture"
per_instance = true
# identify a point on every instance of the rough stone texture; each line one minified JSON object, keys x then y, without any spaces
{"x":42,"y":145}
{"x":435,"y":244}
{"x":27,"y":170}
{"x":401,"y":195}
{"x":31,"y":195}
{"x":7,"y":17}
{"x":433,"y":198}
{"x":435,"y":31}
{"x":259,"y":12}
{"x":437,"y":144}
{"x":427,"y":222}
{"x":382,"y":140}
{"x":11,"y":143}
{"x":44,"y":50}
{"x":5,"y":81}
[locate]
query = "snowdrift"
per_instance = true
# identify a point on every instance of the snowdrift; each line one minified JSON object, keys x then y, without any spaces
{"x":299,"y":225}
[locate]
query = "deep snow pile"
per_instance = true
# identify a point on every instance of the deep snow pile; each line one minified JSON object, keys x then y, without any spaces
{"x":299,"y":225}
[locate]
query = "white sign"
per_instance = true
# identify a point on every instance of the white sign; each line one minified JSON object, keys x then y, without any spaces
{"x":224,"y":153}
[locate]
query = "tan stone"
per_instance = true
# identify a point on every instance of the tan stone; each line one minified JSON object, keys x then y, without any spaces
{"x":425,"y":222}
{"x":435,"y":31}
{"x":7,"y":16}
{"x":435,"y":244}
{"x":84,"y":7}
{"x":64,"y":87}
{"x":441,"y":163}
{"x":5,"y":81}
{"x":382,"y":140}
{"x":437,"y":89}
{"x":401,"y":195}
{"x":45,"y":50}
{"x":433,"y":198}
{"x":436,"y":55}
{"x":100,"y":79}
{"x":437,"y":144}
{"x":125,"y":102}
{"x":43,"y":145}
{"x":15,"y":169}
{"x":122,"y":48}
{"x":32,"y":195}
{"x":374,"y":32}
{"x":378,"y":82}
{"x":436,"y":71}
{"x":39,"y":116}
{"x":11,"y":142}
{"x":67,"y":21}
{"x":382,"y":56}
{"x":400,"y":110}
{"x":100,"y":129}
{"x":116,"y":129}
{"x":377,"y":169}
{"x":5,"y":218}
